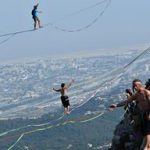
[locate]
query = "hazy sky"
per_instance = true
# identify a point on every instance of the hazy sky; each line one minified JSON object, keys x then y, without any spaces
{"x":125,"y":23}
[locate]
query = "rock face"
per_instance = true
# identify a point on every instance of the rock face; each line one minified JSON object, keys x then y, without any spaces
{"x":127,"y":135}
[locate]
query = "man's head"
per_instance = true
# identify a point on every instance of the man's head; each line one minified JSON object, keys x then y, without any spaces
{"x":35,"y":6}
{"x":136,"y":84}
{"x":63,"y":85}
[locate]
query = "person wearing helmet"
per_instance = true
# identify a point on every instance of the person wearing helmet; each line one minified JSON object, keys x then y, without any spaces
{"x":64,"y":98}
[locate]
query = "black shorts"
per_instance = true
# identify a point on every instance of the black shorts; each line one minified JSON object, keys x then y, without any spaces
{"x":146,"y":124}
{"x":65,"y":101}
{"x":35,"y":18}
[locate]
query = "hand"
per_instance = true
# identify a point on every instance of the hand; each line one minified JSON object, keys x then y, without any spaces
{"x":112,"y":107}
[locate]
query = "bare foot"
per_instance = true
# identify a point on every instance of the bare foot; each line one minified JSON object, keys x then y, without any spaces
{"x":68,"y":112}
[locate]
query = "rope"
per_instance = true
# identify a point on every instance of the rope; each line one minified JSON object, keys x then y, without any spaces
{"x":117,"y":71}
{"x":141,"y":54}
{"x":83,"y":28}
{"x":7,"y":39}
{"x":81,"y":10}
{"x":57,"y":125}
{"x":90,"y":118}
{"x":86,"y":120}
{"x":59,"y":28}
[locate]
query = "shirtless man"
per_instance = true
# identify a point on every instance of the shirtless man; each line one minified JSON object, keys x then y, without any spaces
{"x":142,"y":97}
{"x":64,"y":98}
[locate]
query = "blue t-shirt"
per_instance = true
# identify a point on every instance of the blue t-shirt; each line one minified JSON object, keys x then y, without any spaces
{"x":34,"y":12}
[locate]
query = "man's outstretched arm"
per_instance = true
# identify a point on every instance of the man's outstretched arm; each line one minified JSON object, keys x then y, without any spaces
{"x":120,"y":104}
{"x":37,"y":5}
{"x":56,"y":90}
{"x":67,"y":86}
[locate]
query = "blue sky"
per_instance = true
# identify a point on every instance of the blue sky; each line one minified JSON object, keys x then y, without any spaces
{"x":124,"y":24}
